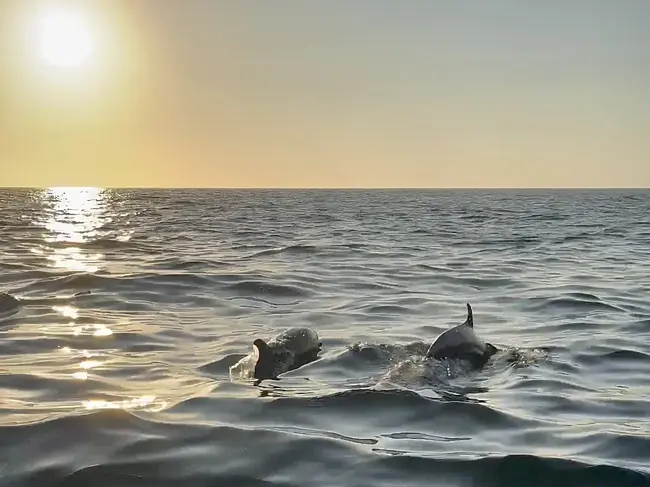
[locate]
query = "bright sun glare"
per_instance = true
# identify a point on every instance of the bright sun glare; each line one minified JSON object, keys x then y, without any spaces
{"x":64,"y":39}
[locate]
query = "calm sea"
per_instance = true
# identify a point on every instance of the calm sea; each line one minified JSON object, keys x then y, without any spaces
{"x":129,"y":385}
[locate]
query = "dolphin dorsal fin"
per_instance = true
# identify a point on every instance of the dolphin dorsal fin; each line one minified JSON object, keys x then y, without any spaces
{"x":263,"y":349}
{"x":470,"y":317}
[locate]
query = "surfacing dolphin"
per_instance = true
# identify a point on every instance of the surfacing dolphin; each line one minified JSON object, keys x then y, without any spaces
{"x":461,"y":342}
{"x":9,"y":305}
{"x":289,"y":350}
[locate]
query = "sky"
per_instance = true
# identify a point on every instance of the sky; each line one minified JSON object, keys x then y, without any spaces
{"x":306,"y":93}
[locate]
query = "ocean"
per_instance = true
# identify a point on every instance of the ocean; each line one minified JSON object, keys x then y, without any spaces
{"x":116,"y":369}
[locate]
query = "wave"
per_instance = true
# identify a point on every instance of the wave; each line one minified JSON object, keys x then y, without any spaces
{"x":250,"y":287}
{"x":186,"y":279}
{"x":289,"y":250}
{"x":509,"y":470}
{"x":150,"y":452}
{"x":573,"y":303}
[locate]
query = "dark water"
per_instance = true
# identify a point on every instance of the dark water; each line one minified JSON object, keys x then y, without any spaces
{"x":129,"y":386}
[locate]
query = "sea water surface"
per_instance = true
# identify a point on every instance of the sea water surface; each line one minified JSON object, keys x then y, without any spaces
{"x":129,"y":385}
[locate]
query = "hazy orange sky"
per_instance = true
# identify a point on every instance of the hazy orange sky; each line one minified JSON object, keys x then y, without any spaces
{"x":371,"y":93}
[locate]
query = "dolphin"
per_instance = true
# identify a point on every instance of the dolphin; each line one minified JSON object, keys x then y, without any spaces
{"x":9,"y":305}
{"x":461,"y":342}
{"x":289,"y":350}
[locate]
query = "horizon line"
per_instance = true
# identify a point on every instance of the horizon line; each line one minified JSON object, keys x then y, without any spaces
{"x":344,"y":188}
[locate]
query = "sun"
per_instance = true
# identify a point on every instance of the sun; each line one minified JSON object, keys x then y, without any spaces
{"x":64,"y":39}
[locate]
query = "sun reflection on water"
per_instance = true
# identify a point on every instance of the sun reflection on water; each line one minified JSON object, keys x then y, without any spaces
{"x":89,"y":364}
{"x":67,"y":311}
{"x":82,"y":230}
{"x":77,"y":213}
{"x":94,"y":330}
{"x":143,"y":402}
{"x":72,"y":217}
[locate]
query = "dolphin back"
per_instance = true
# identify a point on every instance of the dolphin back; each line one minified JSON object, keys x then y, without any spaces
{"x":298,"y":340}
{"x":9,"y":305}
{"x":461,"y":338}
{"x":460,"y":342}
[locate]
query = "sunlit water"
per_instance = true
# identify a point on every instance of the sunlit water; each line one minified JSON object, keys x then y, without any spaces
{"x":129,"y":385}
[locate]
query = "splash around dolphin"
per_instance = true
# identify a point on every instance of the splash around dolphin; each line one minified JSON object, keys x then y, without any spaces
{"x":289,"y":350}
{"x":462,"y":343}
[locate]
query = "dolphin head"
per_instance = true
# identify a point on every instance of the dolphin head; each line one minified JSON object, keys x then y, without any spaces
{"x":490,"y":350}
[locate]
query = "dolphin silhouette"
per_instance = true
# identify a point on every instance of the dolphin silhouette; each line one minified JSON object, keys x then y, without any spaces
{"x":461,"y":342}
{"x":289,"y":350}
{"x":9,"y":305}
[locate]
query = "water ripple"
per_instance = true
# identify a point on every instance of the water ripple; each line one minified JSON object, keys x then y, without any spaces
{"x":133,"y":304}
